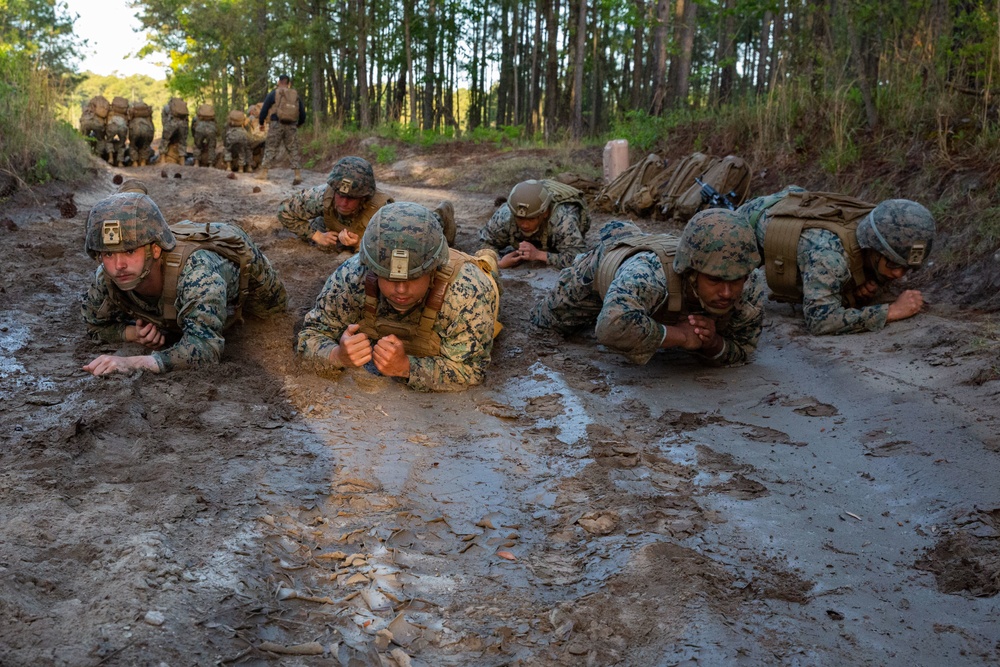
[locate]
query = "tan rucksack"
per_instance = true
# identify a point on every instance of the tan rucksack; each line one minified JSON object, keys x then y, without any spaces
{"x":629,"y":191}
{"x":119,"y":106}
{"x":100,"y":106}
{"x":205,"y":112}
{"x":141,"y":110}
{"x":236,"y":118}
{"x":178,"y":108}
{"x":729,"y":177}
{"x":286,"y":105}
{"x":681,"y":180}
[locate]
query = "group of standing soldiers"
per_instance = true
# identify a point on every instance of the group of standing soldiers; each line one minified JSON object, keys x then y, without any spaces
{"x":121,"y":132}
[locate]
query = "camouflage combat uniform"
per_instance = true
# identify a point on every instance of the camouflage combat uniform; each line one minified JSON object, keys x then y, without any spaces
{"x":204,"y":133}
{"x":116,"y":135}
{"x":237,"y":148}
{"x":173,"y":140}
{"x":140,"y":139}
{"x":465,"y":325}
{"x":312,"y":210}
{"x":92,"y":127}
{"x":281,"y":133}
{"x":623,"y":318}
{"x":207,"y":293}
{"x":559,"y":236}
{"x":826,"y":277}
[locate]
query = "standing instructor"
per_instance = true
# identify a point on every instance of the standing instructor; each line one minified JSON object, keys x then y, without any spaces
{"x":287,"y":113}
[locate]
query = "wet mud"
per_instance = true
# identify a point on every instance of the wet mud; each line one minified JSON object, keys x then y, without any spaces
{"x":832,"y":503}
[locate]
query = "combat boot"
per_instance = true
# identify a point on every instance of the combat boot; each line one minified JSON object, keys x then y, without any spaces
{"x":298,"y":177}
{"x":262,"y":175}
{"x":446,"y":212}
{"x":228,"y":167}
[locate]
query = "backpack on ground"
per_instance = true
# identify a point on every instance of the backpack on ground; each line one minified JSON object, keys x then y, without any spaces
{"x":205,"y":112}
{"x":100,"y":106}
{"x":629,"y":190}
{"x":178,"y":108}
{"x":730,"y":177}
{"x":681,"y":179}
{"x":286,"y":103}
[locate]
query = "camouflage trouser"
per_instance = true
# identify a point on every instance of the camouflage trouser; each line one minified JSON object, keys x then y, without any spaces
{"x":267,"y":292}
{"x":93,"y":130}
{"x":204,"y":132}
{"x":140,"y":140}
{"x":115,"y":136}
{"x":173,"y":143}
{"x":237,"y":148}
{"x":281,"y":134}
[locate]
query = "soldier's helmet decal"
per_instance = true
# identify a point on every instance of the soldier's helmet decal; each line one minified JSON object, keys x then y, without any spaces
{"x":352,"y":177}
{"x":403,"y":241}
{"x":901,"y":230}
{"x":126,"y":221}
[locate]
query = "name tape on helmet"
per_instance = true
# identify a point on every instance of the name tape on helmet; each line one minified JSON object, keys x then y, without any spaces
{"x":399,"y":265}
{"x":345,"y":186}
{"x":918,"y":251}
{"x":111,"y":232}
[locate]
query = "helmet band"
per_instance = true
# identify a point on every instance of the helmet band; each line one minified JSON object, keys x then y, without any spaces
{"x":887,"y":249}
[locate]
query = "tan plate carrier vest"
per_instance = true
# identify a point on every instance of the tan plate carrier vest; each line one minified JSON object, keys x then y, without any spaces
{"x":419,"y":339}
{"x":797,"y":211}
{"x":361,"y":219}
{"x":191,"y":236}
{"x":665,"y":247}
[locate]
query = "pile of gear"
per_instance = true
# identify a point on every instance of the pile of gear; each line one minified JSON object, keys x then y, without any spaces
{"x":675,"y":190}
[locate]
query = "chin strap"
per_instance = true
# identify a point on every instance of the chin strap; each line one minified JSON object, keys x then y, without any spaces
{"x":147,"y":266}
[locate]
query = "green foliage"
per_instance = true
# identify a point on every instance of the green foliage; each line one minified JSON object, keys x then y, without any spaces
{"x":642,"y":130}
{"x":384,"y":154}
{"x":36,"y":146}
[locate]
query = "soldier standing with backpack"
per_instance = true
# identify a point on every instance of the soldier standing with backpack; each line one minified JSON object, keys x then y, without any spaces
{"x":140,"y":133}
{"x":287,"y":113}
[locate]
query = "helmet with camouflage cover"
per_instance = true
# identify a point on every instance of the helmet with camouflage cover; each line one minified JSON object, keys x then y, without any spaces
{"x":718,"y":243}
{"x":126,"y":221}
{"x":529,"y":199}
{"x":352,"y":177}
{"x":403,"y":241}
{"x":899,"y":229}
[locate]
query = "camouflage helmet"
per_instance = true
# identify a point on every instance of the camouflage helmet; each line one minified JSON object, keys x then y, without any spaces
{"x":718,"y":243}
{"x":529,"y":199}
{"x":901,"y":230}
{"x":352,"y":177}
{"x":126,"y":221}
{"x":403,"y":241}
{"x":133,"y":185}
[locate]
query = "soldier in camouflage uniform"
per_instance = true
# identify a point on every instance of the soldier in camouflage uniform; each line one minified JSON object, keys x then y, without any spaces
{"x":140,"y":133}
{"x":93,"y":126}
{"x":699,"y":293}
{"x":128,"y":301}
{"x":116,"y":132}
{"x":335,"y":215}
{"x":174,"y":123}
{"x":841,"y":276}
{"x":405,"y":302}
{"x":545,"y":221}
{"x":282,"y":132}
{"x":237,"y":142}
{"x":205,"y":133}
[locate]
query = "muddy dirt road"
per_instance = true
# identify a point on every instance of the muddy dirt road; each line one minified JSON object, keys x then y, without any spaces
{"x":833,"y":503}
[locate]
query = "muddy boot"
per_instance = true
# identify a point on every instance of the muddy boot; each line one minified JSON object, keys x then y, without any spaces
{"x":298,"y":177}
{"x":446,"y":213}
{"x":227,"y":167}
{"x":262,"y":175}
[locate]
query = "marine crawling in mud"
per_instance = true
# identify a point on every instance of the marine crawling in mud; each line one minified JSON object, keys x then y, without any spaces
{"x":836,"y":255}
{"x":698,"y":292}
{"x":172,"y":289}
{"x":543,"y":221}
{"x":416,"y":309}
{"x":335,"y":215}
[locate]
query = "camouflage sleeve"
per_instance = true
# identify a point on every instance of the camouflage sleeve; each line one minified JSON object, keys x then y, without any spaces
{"x":742,"y":332}
{"x":823,"y":264}
{"x":565,"y":238}
{"x":625,"y":324}
{"x":104,"y":323}
{"x":496,"y":233}
{"x":338,"y":305}
{"x":300,"y":209}
{"x":573,"y":303}
{"x":465,"y":325}
{"x":205,"y":283}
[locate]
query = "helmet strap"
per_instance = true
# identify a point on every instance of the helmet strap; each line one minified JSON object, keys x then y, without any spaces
{"x":147,"y":266}
{"x":887,"y":249}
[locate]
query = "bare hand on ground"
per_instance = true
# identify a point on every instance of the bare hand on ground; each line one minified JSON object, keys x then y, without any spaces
{"x":390,"y":357}
{"x":867,"y":291}
{"x":325,"y":239}
{"x":354,"y":349}
{"x":704,"y":328}
{"x":107,"y":363}
{"x":683,"y":335}
{"x":906,"y":305}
